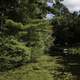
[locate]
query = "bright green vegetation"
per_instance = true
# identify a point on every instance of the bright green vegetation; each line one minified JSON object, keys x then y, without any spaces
{"x":21,"y":44}
{"x":75,"y":51}
{"x":31,"y":47}
{"x":46,"y":68}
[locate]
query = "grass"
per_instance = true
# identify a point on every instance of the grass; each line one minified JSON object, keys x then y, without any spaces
{"x":46,"y":68}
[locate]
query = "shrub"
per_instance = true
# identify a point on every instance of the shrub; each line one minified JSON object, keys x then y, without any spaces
{"x":13,"y":53}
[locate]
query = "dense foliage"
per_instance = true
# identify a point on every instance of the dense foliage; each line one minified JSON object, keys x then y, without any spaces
{"x":36,"y":48}
{"x":67,"y":29}
{"x":23,"y":43}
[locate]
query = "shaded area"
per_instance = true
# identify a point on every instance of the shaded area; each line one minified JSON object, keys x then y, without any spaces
{"x":71,"y":62}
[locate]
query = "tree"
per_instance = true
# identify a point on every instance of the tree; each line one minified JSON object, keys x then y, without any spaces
{"x":13,"y":52}
{"x":39,"y":37}
{"x":21,"y":10}
{"x":21,"y":44}
{"x":65,"y":25}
